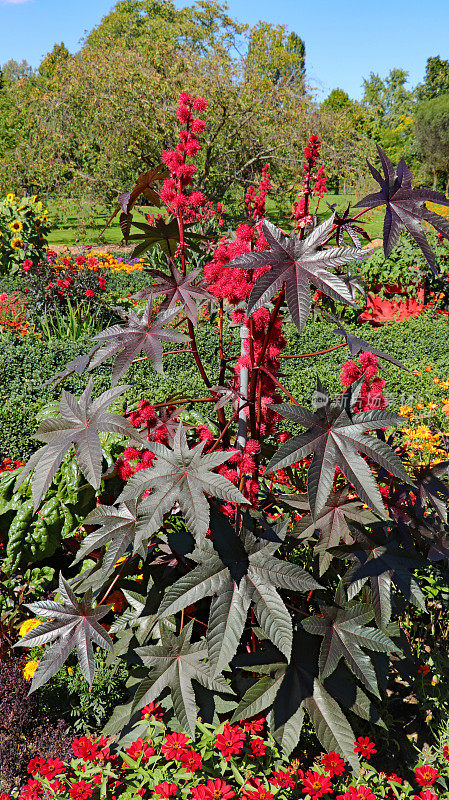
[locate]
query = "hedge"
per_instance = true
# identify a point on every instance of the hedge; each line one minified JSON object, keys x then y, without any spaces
{"x":27,"y":363}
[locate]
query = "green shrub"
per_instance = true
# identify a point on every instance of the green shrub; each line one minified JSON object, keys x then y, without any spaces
{"x":23,"y":231}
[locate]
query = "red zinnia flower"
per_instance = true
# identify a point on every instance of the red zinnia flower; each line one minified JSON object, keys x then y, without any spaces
{"x":426,"y":775}
{"x":218,"y":790}
{"x":258,"y":747}
{"x":446,"y":752}
{"x":85,"y":748}
{"x":191,"y":761}
{"x":33,"y":790}
{"x":90,"y":293}
{"x":333,"y":763}
{"x":175,"y":745}
{"x":254,"y":725}
{"x":81,"y":790}
{"x":282,"y":779}
{"x":315,"y":784}
{"x":357,"y":793}
{"x":140,"y":748}
{"x":259,"y":794}
{"x":230,"y":742}
{"x":165,"y":789}
{"x":427,"y":795}
{"x":365,"y":747}
{"x":152,"y":709}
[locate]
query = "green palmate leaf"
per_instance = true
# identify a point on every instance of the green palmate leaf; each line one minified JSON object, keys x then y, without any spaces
{"x":406,"y":206}
{"x":174,"y":664}
{"x":119,"y":528}
{"x":330,"y":525}
{"x":381,"y":561}
{"x":297,"y":263}
{"x":140,"y":334}
{"x":345,"y":633}
{"x":234,"y":585}
{"x":177,"y":288}
{"x":335,"y":438}
{"x":78,"y":425}
{"x":75,"y":624}
{"x":184,"y":476}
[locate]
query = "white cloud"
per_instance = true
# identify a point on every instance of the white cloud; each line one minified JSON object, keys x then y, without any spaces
{"x":13,"y":2}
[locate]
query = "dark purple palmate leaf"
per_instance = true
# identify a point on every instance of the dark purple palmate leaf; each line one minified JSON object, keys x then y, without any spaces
{"x":346,"y":224}
{"x":78,"y":425}
{"x":75,"y":624}
{"x":297,"y":263}
{"x":406,"y":207}
{"x":357,"y":345}
{"x":140,"y":334}
{"x":335,"y":438}
{"x":177,"y":288}
{"x":77,"y":366}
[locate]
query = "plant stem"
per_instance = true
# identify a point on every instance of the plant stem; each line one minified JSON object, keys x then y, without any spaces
{"x":318,"y":352}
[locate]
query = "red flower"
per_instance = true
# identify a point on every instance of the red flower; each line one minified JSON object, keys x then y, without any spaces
{"x":80,"y":791}
{"x":423,"y":669}
{"x":85,"y":748}
{"x":282,"y":779}
{"x":315,"y":784}
{"x":230,"y":742}
{"x":254,"y":725}
{"x":165,"y":789}
{"x":218,"y":790}
{"x":175,"y":745}
{"x":365,"y":747}
{"x":427,"y":795}
{"x":191,"y":761}
{"x":258,"y":747}
{"x":90,"y":293}
{"x":426,"y":775}
{"x":47,"y":767}
{"x":446,"y":752}
{"x":140,"y":748}
{"x":357,"y":793}
{"x":33,"y":790}
{"x":260,"y":794}
{"x":27,"y":264}
{"x":198,"y":792}
{"x":152,"y":709}
{"x":333,"y":763}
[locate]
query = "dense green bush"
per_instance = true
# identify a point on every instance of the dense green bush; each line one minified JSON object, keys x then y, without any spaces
{"x":27,"y":364}
{"x":23,"y":231}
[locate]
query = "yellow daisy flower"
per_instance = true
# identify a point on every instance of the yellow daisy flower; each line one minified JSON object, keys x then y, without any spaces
{"x":17,"y":243}
{"x":28,"y":626}
{"x":10,"y":197}
{"x":16,"y":226}
{"x":29,"y":670}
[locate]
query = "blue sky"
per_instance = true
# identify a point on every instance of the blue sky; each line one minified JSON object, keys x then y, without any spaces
{"x":345,"y":40}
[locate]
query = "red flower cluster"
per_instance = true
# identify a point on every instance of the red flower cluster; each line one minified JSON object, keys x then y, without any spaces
{"x":365,"y":747}
{"x":90,"y":749}
{"x":255,"y":202}
{"x":316,"y":784}
{"x":234,"y":285}
{"x":282,"y":779}
{"x":173,"y":193}
{"x":166,"y":789}
{"x":371,"y":397}
{"x":333,"y":763}
{"x":8,"y":465}
{"x":312,"y":185}
{"x":140,"y":750}
{"x":231,"y":741}
{"x":153,"y":710}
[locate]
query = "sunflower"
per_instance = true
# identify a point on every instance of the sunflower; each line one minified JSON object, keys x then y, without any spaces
{"x":29,"y":669}
{"x":10,"y":197}
{"x":15,"y":226}
{"x":17,"y":243}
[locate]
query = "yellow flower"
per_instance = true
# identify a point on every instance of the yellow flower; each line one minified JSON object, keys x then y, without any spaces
{"x":29,"y":669}
{"x":404,"y":410}
{"x":17,"y":243}
{"x":16,"y":226}
{"x":431,"y":405}
{"x":70,"y":670}
{"x":419,"y":406}
{"x":28,"y":626}
{"x":10,"y":197}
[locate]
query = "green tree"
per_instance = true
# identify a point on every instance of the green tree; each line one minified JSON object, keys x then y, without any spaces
{"x":13,"y":71}
{"x":276,"y":53}
{"x":338,"y":100}
{"x":54,"y":61}
{"x":436,"y":81}
{"x":431,"y":127}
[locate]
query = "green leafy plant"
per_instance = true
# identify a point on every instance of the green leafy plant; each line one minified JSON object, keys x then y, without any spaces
{"x":296,"y":646}
{"x":24,"y":228}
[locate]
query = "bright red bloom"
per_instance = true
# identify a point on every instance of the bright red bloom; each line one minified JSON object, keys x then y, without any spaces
{"x":260,"y":792}
{"x":333,"y":763}
{"x":218,"y":790}
{"x":230,"y":742}
{"x":423,"y":669}
{"x":90,"y":293}
{"x":357,"y":793}
{"x":191,"y":761}
{"x":315,"y":784}
{"x":81,"y":790}
{"x":426,"y":775}
{"x":27,"y":264}
{"x":47,"y":767}
{"x":166,"y":789}
{"x":255,"y":724}
{"x":446,"y":752}
{"x":175,"y":745}
{"x":282,"y":779}
{"x":258,"y":747}
{"x":198,"y":792}
{"x":365,"y":747}
{"x":33,"y":790}
{"x":140,"y":748}
{"x":427,"y":795}
{"x":152,"y":709}
{"x":85,"y":748}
